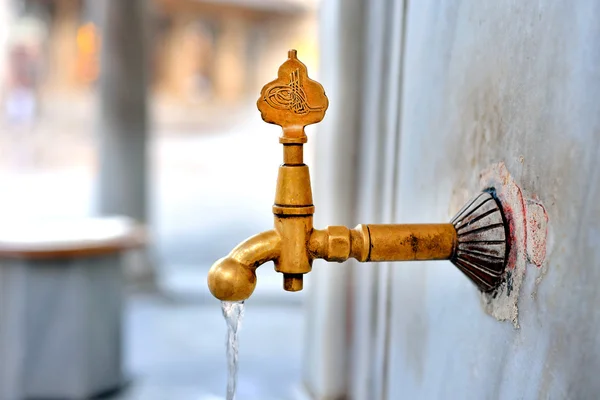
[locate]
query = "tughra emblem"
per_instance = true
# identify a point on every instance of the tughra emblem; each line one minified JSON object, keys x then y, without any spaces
{"x":293,"y":100}
{"x":290,"y":97}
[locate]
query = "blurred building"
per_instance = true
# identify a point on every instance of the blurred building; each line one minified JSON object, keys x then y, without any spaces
{"x":201,"y":49}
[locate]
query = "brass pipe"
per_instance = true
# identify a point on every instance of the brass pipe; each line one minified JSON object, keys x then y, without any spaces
{"x":475,"y":241}
{"x":385,"y":242}
{"x":411,"y":242}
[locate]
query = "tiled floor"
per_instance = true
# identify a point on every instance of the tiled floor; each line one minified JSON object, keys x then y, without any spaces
{"x":176,"y":351}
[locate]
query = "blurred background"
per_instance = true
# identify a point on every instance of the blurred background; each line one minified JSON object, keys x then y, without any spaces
{"x":147,"y":109}
{"x":117,"y":115}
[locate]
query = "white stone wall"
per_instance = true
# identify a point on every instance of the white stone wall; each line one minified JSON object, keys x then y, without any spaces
{"x":482,"y":82}
{"x":519,"y":83}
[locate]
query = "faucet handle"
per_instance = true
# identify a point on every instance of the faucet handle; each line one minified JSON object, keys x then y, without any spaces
{"x":293,"y":100}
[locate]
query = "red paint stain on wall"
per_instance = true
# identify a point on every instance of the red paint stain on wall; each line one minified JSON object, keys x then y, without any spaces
{"x":513,"y":208}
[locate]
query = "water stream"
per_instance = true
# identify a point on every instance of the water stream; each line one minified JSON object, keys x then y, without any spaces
{"x":233,"y":311}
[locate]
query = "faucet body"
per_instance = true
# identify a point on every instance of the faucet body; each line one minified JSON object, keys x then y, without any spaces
{"x":293,"y":212}
{"x":294,"y":101}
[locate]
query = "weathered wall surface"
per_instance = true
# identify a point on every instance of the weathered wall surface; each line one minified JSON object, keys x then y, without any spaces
{"x":518,"y":83}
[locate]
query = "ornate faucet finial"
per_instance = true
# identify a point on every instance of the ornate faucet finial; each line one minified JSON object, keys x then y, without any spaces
{"x":293,"y":100}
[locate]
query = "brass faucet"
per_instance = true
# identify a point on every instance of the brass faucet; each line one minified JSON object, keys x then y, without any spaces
{"x":475,"y":240}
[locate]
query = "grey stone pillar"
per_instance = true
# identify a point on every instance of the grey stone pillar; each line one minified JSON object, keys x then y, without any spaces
{"x":123,"y":121}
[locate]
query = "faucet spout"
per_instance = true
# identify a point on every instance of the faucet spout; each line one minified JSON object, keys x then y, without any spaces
{"x":233,"y":278}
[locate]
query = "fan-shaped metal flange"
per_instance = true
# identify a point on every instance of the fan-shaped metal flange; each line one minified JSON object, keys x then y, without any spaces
{"x":482,"y":248}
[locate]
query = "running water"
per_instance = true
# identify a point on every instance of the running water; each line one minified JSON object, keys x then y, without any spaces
{"x":233,"y":311}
